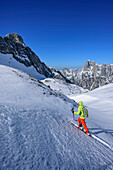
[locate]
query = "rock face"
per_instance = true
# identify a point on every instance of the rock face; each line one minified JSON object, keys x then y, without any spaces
{"x":59,"y":75}
{"x":91,"y":75}
{"x":14,"y":44}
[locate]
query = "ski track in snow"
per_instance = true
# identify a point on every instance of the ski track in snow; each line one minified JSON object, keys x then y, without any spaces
{"x":96,"y":138}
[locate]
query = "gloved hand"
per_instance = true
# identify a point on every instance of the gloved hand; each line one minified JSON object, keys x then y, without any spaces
{"x":72,"y":110}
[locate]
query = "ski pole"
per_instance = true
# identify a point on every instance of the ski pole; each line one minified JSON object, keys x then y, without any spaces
{"x":73,"y":114}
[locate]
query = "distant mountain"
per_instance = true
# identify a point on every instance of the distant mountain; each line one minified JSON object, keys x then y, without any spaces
{"x":14,"y":45}
{"x":91,"y":75}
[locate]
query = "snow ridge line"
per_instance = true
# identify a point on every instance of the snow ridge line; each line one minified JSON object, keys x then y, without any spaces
{"x":96,"y":138}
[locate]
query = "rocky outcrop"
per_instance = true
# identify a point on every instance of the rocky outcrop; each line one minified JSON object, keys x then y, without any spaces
{"x":91,"y":75}
{"x":59,"y":75}
{"x":14,"y":44}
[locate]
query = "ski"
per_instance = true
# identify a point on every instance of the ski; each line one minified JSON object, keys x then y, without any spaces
{"x":94,"y":137}
{"x":81,"y":129}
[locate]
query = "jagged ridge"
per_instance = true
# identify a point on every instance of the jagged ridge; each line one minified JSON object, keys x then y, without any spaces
{"x":14,"y":44}
{"x":91,"y":75}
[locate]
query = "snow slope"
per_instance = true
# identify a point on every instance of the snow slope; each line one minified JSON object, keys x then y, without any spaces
{"x":100,"y":105}
{"x":36,"y":130}
{"x":8,"y":60}
{"x":63,"y":87}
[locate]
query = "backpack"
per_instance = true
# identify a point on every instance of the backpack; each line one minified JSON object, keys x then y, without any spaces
{"x":85,"y":112}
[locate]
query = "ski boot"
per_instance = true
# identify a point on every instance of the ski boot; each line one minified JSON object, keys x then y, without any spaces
{"x":80,"y":127}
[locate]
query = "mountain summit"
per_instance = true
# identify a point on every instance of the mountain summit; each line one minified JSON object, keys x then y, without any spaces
{"x":14,"y":45}
{"x":15,"y":38}
{"x":91,"y":75}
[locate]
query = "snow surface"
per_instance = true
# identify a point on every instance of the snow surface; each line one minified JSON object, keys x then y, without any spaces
{"x":63,"y":87}
{"x":36,"y":130}
{"x":8,"y":60}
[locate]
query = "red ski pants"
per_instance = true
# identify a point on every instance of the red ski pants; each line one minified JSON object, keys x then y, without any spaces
{"x":82,"y":121}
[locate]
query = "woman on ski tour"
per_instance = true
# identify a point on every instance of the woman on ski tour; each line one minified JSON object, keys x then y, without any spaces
{"x":83,"y":112}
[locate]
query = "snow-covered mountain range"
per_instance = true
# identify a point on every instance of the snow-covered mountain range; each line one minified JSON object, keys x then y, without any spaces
{"x":36,"y":130}
{"x":91,"y":75}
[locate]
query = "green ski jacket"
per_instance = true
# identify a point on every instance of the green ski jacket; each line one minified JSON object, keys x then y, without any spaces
{"x":81,"y":111}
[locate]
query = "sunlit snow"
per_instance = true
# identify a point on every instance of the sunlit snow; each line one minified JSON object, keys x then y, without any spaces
{"x":36,"y":130}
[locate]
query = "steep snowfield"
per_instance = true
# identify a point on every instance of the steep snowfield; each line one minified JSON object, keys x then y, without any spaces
{"x":36,"y":130}
{"x":63,"y":87}
{"x":8,"y":60}
{"x":100,"y":105}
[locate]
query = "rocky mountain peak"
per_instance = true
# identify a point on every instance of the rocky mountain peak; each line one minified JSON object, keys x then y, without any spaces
{"x":15,"y":38}
{"x":13,"y":44}
{"x":88,"y":63}
{"x":91,"y":75}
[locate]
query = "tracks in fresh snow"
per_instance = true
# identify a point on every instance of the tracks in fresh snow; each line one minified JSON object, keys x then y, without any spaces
{"x":96,"y":138}
{"x":101,"y":141}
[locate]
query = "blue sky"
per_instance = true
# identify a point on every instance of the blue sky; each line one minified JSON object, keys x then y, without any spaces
{"x":63,"y":33}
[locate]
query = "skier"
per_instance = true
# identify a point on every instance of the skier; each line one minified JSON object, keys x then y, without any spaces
{"x":83,"y":112}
